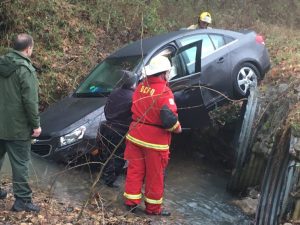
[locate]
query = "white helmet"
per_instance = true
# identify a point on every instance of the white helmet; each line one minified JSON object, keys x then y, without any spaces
{"x":157,"y":65}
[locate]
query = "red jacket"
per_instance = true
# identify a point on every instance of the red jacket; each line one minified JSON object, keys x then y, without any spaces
{"x":150,"y":128}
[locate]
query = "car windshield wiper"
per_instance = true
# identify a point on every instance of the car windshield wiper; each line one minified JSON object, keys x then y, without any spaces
{"x":91,"y":94}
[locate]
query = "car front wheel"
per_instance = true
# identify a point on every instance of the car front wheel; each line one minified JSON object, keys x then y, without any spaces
{"x":244,"y":76}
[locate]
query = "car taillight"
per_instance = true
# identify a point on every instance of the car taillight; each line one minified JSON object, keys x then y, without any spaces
{"x":260,"y":39}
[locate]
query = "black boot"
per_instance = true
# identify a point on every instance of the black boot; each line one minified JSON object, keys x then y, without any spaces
{"x":131,"y":208}
{"x":163,"y":212}
{"x":3,"y":194}
{"x":24,"y":205}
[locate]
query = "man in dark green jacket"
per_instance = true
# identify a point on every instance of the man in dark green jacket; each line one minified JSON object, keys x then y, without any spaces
{"x":19,"y":117}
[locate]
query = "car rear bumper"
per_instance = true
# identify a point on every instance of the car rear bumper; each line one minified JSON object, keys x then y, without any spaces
{"x":265,"y":70}
{"x":265,"y":63}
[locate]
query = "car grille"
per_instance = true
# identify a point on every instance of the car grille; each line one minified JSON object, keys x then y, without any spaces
{"x":41,"y":150}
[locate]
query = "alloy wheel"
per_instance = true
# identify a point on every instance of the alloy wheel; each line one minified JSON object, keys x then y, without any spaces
{"x":245,"y":78}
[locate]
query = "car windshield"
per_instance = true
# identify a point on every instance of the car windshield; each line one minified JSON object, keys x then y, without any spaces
{"x":105,"y":77}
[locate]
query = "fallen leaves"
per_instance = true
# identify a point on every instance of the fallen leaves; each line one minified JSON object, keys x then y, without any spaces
{"x":62,"y":212}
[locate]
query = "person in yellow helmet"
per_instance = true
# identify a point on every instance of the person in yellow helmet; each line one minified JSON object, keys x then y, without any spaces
{"x":204,"y":20}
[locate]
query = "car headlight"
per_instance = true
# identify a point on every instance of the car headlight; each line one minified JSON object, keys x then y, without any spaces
{"x":72,"y":137}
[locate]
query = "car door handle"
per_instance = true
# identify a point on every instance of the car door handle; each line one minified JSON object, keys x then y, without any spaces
{"x":221,"y":60}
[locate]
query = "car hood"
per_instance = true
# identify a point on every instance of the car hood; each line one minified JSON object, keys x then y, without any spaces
{"x":67,"y":112}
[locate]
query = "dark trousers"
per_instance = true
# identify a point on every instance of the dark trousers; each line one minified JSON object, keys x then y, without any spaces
{"x":19,"y":156}
{"x":110,"y":139}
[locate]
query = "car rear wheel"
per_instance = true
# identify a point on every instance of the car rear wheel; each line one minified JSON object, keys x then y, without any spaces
{"x":245,"y":75}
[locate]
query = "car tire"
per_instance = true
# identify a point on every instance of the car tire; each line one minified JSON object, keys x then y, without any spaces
{"x":245,"y":75}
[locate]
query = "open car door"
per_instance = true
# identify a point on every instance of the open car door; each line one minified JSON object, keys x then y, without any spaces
{"x":186,"y":86}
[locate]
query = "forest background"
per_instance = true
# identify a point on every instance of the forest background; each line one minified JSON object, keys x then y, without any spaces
{"x":72,"y":36}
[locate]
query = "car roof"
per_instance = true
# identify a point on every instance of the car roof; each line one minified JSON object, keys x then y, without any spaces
{"x":147,"y":45}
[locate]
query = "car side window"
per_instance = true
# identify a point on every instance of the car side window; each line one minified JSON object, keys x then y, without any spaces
{"x":207,"y":45}
{"x":188,"y":57}
{"x":228,"y":39}
{"x":217,"y":40}
{"x":185,"y":59}
{"x":169,"y":52}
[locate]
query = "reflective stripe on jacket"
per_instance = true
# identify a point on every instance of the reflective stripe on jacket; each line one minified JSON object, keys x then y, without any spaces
{"x":149,"y":98}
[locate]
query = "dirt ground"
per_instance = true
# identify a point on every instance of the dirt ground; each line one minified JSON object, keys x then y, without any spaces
{"x":62,"y":211}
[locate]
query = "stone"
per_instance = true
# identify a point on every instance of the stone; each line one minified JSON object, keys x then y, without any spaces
{"x":247,"y":205}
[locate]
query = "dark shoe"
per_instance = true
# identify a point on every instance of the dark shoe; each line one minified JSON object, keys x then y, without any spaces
{"x":3,"y":194}
{"x":162,"y":213}
{"x":24,"y":205}
{"x":131,"y":208}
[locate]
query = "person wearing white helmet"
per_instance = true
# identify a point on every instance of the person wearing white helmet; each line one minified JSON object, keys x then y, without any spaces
{"x":148,"y":140}
{"x":204,"y":20}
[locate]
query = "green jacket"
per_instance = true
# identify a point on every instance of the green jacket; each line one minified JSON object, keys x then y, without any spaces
{"x":19,"y":113}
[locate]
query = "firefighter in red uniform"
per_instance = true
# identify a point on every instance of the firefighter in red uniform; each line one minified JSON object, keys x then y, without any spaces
{"x":148,"y":140}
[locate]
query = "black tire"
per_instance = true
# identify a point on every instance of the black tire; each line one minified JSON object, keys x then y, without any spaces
{"x":245,"y":75}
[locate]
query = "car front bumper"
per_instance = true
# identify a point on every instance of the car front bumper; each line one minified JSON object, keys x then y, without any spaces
{"x":50,"y":149}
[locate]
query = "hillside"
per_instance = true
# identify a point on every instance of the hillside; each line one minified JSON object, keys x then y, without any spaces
{"x":71,"y":36}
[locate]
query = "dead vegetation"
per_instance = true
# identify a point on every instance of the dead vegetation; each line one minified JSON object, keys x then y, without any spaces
{"x":72,"y":36}
{"x":64,"y":211}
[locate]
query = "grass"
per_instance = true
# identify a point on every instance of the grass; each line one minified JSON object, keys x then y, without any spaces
{"x":71,"y":36}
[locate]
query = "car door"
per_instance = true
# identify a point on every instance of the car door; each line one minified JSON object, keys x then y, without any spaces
{"x":216,"y":70}
{"x":185,"y":86}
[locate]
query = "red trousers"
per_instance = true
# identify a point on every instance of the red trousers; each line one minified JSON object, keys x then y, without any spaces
{"x":145,"y":166}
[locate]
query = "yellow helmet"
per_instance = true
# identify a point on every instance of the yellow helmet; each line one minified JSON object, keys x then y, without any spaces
{"x":205,"y":17}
